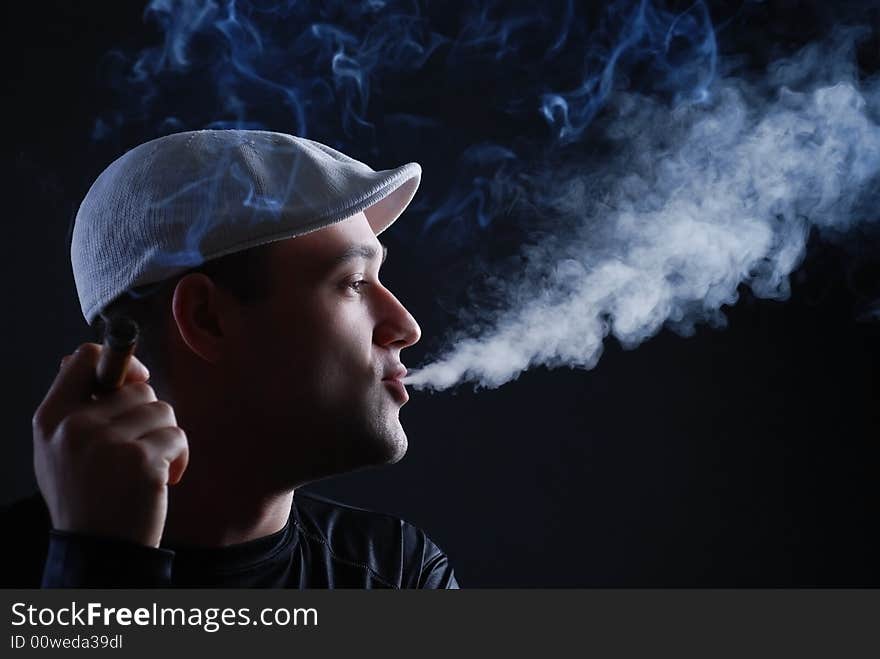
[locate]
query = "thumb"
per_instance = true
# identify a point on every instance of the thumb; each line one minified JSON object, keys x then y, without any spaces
{"x":137,"y":371}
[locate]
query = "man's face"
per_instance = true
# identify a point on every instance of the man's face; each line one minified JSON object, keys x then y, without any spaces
{"x":323,"y":353}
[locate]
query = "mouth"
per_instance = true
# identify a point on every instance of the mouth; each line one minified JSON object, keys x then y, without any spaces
{"x":397,"y":373}
{"x":394,"y":384}
{"x":397,"y":389}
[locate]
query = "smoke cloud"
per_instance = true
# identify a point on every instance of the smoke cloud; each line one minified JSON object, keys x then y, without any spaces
{"x":647,"y":174}
{"x":694,"y":201}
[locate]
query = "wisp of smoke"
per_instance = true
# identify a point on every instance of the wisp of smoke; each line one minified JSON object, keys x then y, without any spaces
{"x":652,"y":185}
{"x":695,"y":201}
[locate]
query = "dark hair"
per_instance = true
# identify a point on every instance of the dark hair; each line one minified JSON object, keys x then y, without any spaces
{"x":245,"y":274}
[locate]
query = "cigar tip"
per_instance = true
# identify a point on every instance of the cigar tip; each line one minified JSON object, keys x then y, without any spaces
{"x":121,"y":332}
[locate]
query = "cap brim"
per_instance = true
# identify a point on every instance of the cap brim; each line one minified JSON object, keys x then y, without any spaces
{"x":393,"y":197}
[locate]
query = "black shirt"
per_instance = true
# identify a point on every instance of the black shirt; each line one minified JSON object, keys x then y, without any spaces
{"x":323,"y":545}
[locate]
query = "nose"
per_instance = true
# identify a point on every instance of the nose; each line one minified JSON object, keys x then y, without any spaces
{"x":396,"y":326}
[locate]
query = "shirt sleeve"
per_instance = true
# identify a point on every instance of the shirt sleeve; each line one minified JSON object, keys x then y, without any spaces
{"x":437,"y":572}
{"x":77,"y":560}
{"x":426,"y":565}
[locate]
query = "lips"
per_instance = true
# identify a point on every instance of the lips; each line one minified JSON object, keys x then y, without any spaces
{"x":397,"y":373}
{"x":394,"y":382}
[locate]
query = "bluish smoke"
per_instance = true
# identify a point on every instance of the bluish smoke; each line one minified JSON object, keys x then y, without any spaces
{"x":694,"y":203}
{"x":474,"y":90}
{"x":681,"y":48}
{"x":648,"y":177}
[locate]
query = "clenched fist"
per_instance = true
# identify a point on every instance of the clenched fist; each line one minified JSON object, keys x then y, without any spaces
{"x":104,"y":461}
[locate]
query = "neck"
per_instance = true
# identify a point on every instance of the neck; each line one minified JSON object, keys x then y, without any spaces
{"x":220,"y":501}
{"x":217,"y":512}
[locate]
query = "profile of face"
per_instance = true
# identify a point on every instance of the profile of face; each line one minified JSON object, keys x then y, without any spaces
{"x":320,"y":359}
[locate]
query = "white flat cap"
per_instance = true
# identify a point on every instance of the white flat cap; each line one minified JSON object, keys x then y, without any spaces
{"x":175,"y":202}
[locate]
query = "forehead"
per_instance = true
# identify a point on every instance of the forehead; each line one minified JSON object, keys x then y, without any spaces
{"x":320,"y":250}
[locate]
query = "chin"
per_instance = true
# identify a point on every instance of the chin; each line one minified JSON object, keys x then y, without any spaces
{"x":386,"y":440}
{"x":384,"y":445}
{"x":397,"y":449}
{"x":371,"y":444}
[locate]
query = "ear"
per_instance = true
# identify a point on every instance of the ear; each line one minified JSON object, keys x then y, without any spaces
{"x":207,"y":317}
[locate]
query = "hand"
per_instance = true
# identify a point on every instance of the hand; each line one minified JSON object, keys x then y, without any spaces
{"x":104,"y":461}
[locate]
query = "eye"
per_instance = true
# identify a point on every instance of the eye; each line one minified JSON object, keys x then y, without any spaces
{"x":358,"y":285}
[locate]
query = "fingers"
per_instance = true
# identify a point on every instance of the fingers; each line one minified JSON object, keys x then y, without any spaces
{"x":127,"y":397}
{"x":143,"y":419}
{"x":103,"y":459}
{"x":75,"y":384}
{"x":137,"y":371}
{"x":72,"y":386}
{"x":168,"y":446}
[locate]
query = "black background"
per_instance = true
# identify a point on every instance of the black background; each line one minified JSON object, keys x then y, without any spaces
{"x":741,"y":457}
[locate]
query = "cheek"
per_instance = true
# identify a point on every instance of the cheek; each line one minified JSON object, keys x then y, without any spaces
{"x":343,"y":352}
{"x":329,"y":349}
{"x":273,"y":350}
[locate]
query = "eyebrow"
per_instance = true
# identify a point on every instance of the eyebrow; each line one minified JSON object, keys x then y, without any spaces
{"x":367,"y":252}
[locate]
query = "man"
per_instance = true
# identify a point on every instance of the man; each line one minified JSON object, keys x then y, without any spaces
{"x":250,"y":262}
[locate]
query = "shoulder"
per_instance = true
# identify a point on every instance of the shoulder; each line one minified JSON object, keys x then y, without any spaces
{"x":24,"y":527}
{"x":396,"y":553}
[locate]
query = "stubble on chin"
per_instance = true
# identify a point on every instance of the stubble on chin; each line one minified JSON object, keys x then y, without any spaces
{"x":387,"y":438}
{"x":370,"y":439}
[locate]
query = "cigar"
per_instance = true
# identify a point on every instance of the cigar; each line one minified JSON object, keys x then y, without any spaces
{"x":120,"y":339}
